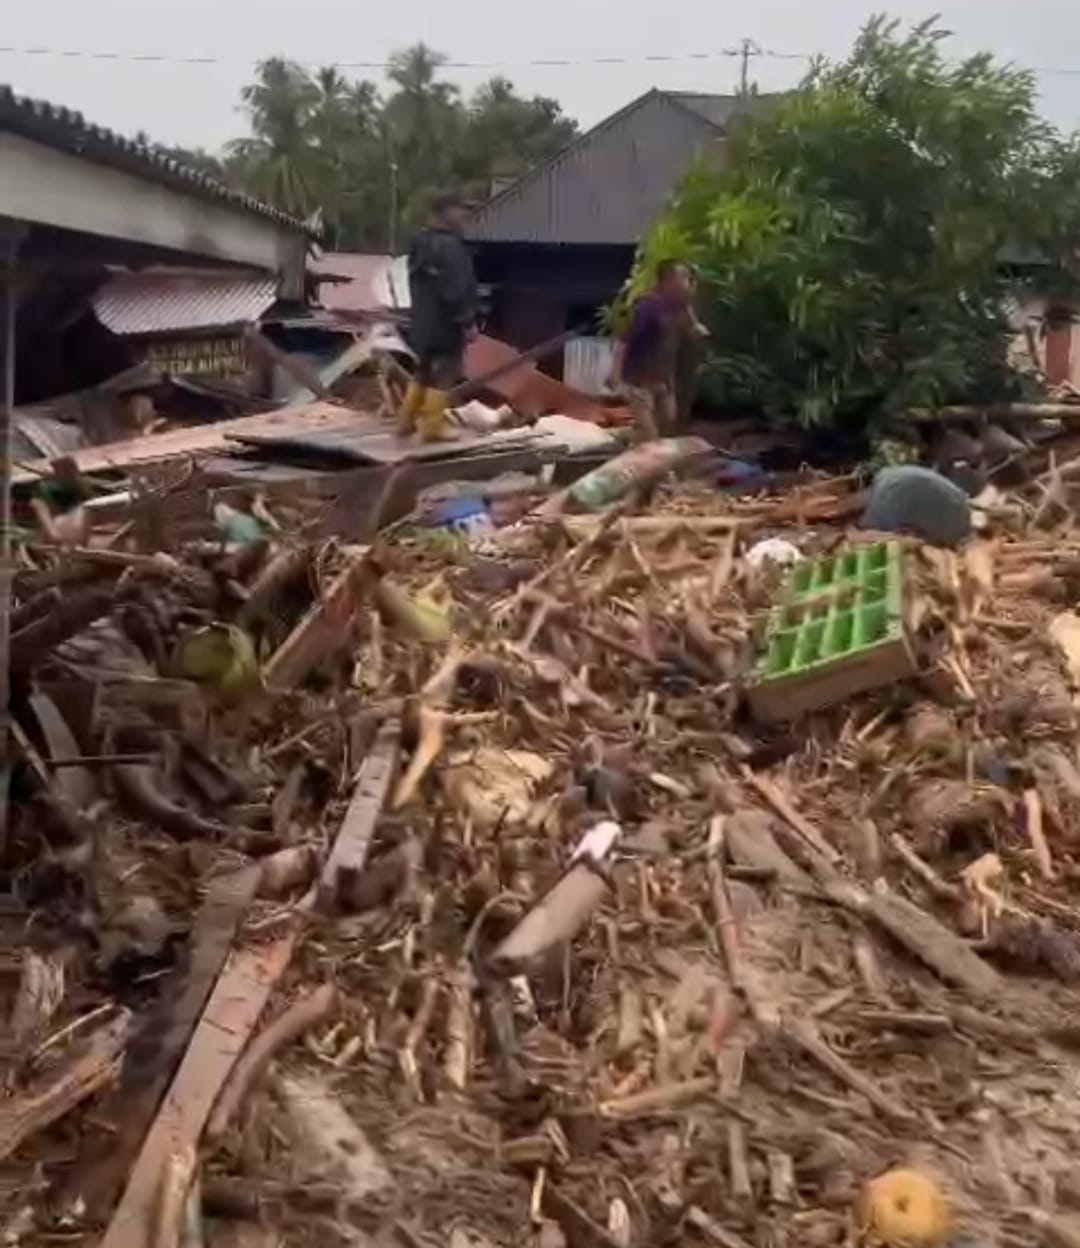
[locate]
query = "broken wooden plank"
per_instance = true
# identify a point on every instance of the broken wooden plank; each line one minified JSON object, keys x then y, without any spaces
{"x":227,"y":1023}
{"x":350,"y":850}
{"x":55,"y":1094}
{"x":322,"y":632}
{"x":106,"y":1154}
{"x":932,"y":943}
{"x":231,"y":1015}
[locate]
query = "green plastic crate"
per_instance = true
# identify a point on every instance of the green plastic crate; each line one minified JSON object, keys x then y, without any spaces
{"x":837,"y":630}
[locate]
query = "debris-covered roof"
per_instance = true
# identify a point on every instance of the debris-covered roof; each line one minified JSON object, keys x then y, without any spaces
{"x":157,"y":301}
{"x":69,"y":131}
{"x":608,"y":184}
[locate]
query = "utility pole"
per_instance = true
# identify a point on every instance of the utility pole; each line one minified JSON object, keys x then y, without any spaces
{"x":748,"y":49}
{"x":394,"y":209}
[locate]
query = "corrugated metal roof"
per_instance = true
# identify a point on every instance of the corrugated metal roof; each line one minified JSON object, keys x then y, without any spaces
{"x":164,"y":301}
{"x":609,"y":184}
{"x":717,"y":110}
{"x":69,"y":131}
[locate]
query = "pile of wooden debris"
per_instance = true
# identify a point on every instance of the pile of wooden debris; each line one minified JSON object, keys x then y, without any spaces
{"x":447,"y":893}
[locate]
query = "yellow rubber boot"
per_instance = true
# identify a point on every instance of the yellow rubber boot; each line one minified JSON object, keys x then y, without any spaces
{"x":434,"y":426}
{"x":410,"y":408}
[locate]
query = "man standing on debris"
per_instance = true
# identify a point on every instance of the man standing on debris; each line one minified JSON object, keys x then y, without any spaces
{"x":645,"y":364}
{"x":442,"y":286}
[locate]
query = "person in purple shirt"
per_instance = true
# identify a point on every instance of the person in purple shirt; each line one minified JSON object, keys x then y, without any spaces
{"x":647,"y":354}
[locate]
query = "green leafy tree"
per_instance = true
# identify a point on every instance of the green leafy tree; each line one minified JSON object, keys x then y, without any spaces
{"x":849,"y":247}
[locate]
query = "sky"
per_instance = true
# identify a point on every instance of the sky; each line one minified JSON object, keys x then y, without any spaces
{"x":608,"y":42}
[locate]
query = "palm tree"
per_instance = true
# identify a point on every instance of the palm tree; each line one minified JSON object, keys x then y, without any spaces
{"x":278,"y":162}
{"x":424,"y":120}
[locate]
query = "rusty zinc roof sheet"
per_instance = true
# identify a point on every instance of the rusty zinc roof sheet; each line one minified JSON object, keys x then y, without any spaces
{"x":176,"y":301}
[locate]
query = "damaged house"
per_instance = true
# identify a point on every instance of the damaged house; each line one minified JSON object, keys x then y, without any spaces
{"x":555,"y":246}
{"x":113,"y":256}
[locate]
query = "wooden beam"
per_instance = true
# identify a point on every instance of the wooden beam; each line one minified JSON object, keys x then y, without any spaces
{"x":350,"y":850}
{"x":321,"y":632}
{"x":230,"y":1017}
{"x":106,"y":1155}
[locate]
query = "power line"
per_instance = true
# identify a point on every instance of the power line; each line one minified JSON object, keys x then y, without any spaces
{"x":745,"y":50}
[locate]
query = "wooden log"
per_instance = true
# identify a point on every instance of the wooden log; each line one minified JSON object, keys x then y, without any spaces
{"x":998,"y":411}
{"x":299,"y":370}
{"x":284,"y":569}
{"x":78,"y":611}
{"x":660,"y":1099}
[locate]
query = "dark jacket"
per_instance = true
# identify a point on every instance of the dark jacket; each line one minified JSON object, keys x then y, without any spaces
{"x":442,"y":286}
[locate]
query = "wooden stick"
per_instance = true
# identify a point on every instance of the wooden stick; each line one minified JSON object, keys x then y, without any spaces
{"x":457,"y":1055}
{"x":324,"y":630}
{"x":939,"y":887}
{"x":1034,"y":817}
{"x":658,"y":1100}
{"x":172,"y":1197}
{"x":921,"y":1024}
{"x":429,"y":745}
{"x":738,"y":1166}
{"x":808,"y":1040}
{"x":301,"y":1016}
{"x":421,"y":1021}
{"x":711,"y":1229}
{"x":580,"y":527}
{"x":783,"y":807}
